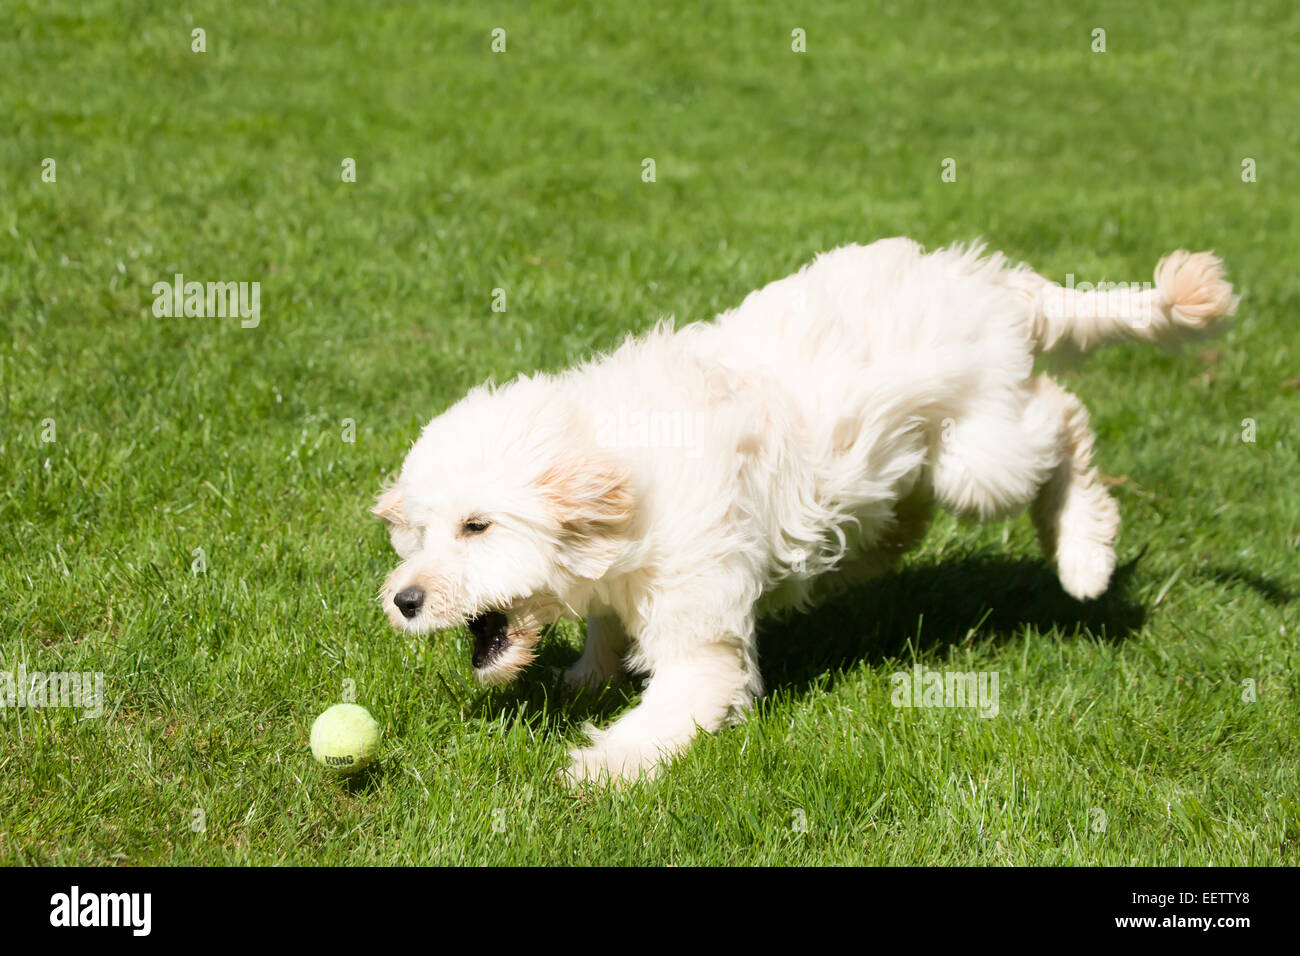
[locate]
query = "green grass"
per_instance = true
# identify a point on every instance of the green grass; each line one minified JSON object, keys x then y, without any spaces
{"x":522,"y":171}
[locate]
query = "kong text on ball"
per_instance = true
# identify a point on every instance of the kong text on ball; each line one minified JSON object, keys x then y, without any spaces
{"x":345,"y":738}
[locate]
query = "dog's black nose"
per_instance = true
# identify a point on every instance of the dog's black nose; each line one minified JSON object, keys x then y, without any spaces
{"x":409,"y":601}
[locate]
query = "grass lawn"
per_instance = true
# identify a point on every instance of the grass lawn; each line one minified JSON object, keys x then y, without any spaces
{"x":1127,"y":732}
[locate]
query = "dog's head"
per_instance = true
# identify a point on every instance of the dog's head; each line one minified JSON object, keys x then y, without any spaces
{"x":504,"y":507}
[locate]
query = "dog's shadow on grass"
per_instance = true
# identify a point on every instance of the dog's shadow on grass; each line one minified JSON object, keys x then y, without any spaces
{"x":979,"y":598}
{"x":976,"y":598}
{"x":540,"y":696}
{"x":1269,"y":589}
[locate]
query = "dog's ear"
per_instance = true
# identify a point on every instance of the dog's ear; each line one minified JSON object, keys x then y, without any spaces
{"x":593,"y":502}
{"x":389,"y":506}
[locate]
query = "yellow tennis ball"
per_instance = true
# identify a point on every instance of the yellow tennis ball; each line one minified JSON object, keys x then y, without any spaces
{"x":345,"y":738}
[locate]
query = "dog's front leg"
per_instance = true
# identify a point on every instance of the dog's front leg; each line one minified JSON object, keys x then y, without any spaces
{"x":694,"y":688}
{"x":602,"y":655}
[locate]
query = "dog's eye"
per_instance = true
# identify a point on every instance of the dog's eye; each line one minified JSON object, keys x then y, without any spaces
{"x":474,"y":526}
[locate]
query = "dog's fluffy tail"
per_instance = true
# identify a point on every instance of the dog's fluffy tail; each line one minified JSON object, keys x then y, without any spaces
{"x":1189,"y":295}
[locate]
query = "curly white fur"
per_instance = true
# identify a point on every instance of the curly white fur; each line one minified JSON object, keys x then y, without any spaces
{"x":828,"y":414}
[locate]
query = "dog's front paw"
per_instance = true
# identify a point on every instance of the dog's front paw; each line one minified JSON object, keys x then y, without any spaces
{"x":584,"y":675}
{"x":609,"y":762}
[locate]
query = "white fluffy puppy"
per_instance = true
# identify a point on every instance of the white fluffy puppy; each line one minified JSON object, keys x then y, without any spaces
{"x":677,"y":488}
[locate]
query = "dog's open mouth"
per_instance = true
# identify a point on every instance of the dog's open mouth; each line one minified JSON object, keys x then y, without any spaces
{"x":491,"y":637}
{"x":504,"y":644}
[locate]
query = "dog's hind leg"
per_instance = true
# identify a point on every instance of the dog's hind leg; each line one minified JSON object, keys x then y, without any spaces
{"x":602,"y":655}
{"x":863,"y":563}
{"x":989,"y":460}
{"x":912,"y":517}
{"x":1076,"y":518}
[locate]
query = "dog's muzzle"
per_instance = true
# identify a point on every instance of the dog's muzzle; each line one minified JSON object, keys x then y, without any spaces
{"x":490,"y":637}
